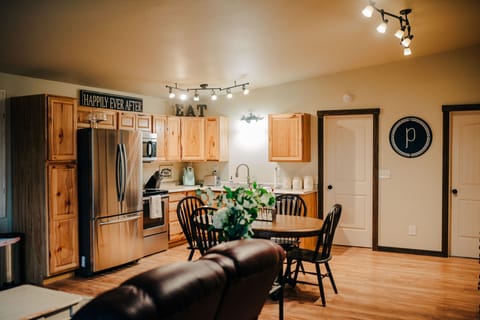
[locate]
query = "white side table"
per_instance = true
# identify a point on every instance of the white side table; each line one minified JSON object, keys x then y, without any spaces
{"x":32,"y":302}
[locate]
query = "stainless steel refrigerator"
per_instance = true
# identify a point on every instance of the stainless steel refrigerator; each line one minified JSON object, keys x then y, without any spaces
{"x":110,"y":198}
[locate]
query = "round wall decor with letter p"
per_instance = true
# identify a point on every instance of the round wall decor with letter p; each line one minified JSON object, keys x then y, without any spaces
{"x":410,"y":137}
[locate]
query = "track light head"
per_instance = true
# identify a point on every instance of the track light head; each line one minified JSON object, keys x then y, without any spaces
{"x":245,"y":90}
{"x":382,"y":27}
{"x":196,"y":97}
{"x":229,"y":94}
{"x":368,"y":10}
{"x":213,"y":96}
{"x":407,"y":51}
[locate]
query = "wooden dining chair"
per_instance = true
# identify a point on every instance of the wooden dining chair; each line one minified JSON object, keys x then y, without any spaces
{"x":185,"y":209}
{"x":206,"y":236}
{"x":293,"y":205}
{"x":321,"y":255}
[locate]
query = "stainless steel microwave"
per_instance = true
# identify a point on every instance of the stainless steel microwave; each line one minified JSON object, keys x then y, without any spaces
{"x":149,"y":147}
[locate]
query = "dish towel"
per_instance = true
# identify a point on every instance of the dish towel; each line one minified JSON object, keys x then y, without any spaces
{"x":156,"y":207}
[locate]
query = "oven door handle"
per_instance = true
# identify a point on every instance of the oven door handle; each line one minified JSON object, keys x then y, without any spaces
{"x":119,"y":221}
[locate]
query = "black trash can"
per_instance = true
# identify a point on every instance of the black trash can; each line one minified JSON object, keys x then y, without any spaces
{"x":11,"y":259}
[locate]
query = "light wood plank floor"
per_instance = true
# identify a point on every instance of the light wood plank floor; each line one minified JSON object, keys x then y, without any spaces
{"x":372,"y":285}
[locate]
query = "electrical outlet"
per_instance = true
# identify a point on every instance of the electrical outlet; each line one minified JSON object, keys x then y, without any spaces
{"x":412,"y":230}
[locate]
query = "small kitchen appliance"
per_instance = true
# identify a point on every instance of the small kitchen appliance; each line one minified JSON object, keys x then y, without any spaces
{"x":188,"y":176}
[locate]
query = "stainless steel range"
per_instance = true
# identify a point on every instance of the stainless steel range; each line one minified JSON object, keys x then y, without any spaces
{"x":155,"y":221}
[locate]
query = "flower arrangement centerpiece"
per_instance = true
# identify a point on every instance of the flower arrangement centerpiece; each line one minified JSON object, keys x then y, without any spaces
{"x":238,"y":208}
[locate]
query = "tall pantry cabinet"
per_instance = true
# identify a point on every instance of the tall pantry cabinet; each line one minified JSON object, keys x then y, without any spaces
{"x":44,"y":183}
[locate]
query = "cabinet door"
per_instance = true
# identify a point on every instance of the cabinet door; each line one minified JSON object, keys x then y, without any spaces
{"x":144,"y":122}
{"x":63,"y":217}
{"x":62,"y":127}
{"x":193,"y":138}
{"x":216,"y":138}
{"x":312,"y":211}
{"x":127,"y":121}
{"x":159,"y":126}
{"x":102,"y":118}
{"x":289,"y":137}
{"x":173,"y":149}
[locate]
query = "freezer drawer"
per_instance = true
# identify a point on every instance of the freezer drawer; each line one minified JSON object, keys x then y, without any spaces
{"x":118,"y":240}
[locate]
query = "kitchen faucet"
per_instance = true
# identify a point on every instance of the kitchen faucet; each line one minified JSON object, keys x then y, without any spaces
{"x":248,"y":172}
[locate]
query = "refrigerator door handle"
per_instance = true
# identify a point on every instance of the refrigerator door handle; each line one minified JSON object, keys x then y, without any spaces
{"x":118,"y":172}
{"x":124,"y":174}
{"x":119,"y":220}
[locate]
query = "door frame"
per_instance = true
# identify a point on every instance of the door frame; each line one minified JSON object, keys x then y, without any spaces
{"x":446,"y":168}
{"x":375,"y":141}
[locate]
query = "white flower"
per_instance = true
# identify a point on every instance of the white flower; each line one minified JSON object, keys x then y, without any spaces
{"x":219,"y":218}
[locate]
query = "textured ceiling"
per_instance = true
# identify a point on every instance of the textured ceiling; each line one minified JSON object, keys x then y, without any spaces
{"x":139,"y":46}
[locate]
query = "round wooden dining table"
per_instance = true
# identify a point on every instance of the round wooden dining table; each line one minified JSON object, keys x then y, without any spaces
{"x":286,"y":226}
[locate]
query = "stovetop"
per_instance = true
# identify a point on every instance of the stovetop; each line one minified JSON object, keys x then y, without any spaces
{"x":153,"y":192}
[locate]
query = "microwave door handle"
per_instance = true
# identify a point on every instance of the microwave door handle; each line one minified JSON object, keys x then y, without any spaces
{"x":149,"y":148}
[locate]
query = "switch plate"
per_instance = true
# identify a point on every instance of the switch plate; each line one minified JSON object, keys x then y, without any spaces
{"x":412,"y":230}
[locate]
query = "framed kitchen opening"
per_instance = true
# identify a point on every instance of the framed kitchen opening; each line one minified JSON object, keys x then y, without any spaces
{"x":374,"y":112}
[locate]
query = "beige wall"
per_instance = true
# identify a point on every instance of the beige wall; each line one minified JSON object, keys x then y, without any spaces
{"x":412,"y":86}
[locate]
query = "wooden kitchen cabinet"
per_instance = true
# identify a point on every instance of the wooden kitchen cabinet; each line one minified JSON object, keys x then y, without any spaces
{"x":173,"y":150}
{"x":216,"y":139}
{"x":144,"y":122}
{"x":88,"y":117}
{"x":127,"y":121}
{"x":175,"y":233}
{"x":312,"y":211}
{"x":44,"y":187}
{"x":193,"y":138}
{"x":63,"y":217}
{"x":159,"y":126}
{"x":289,"y":137}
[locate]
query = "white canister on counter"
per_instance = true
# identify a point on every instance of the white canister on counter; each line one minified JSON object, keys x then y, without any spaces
{"x":308,"y":183}
{"x":297,"y":183}
{"x":286,"y":183}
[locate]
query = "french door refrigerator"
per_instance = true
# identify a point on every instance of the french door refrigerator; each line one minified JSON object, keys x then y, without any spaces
{"x":110,"y":198}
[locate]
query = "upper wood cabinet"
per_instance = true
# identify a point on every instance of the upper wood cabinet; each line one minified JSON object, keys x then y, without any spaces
{"x":216,"y":138}
{"x":62,"y":126}
{"x":144,"y":122}
{"x":173,"y":150}
{"x":159,"y":126}
{"x":96,"y":118}
{"x":193,"y":138}
{"x":127,"y":121}
{"x":289,"y":137}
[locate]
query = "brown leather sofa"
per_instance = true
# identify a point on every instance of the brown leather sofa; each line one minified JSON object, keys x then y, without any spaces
{"x":230,"y":282}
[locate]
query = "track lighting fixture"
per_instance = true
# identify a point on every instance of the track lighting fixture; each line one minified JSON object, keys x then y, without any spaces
{"x":403,"y":33}
{"x":204,"y":86}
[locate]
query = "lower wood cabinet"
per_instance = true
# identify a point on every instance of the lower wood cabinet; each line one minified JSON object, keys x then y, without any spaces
{"x":312,"y":211}
{"x":175,"y":233}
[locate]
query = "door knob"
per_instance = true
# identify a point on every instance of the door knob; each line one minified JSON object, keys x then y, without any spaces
{"x":454,"y":191}
{"x":330,"y":187}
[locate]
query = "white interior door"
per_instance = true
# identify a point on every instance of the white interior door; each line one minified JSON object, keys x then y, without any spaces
{"x":465,"y":184}
{"x":348,"y":157}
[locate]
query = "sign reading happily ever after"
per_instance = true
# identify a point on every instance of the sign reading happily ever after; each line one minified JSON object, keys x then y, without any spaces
{"x":110,"y":101}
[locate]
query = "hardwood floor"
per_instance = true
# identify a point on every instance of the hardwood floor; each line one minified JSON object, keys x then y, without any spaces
{"x":371,"y":285}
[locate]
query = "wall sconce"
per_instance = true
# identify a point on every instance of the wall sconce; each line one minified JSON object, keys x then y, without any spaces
{"x":250,"y":117}
{"x":204,"y":87}
{"x":403,"y":33}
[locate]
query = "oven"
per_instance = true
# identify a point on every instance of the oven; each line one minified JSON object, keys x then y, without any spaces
{"x":155,"y":221}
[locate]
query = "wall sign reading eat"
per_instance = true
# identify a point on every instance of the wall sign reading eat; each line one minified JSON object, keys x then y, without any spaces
{"x":410,"y":137}
{"x":110,"y":101}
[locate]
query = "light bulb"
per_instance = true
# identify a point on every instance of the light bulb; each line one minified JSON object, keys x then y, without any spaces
{"x":407,"y":51}
{"x":183,"y":97}
{"x":399,"y":34}
{"x":368,"y":11}
{"x":214,"y":96}
{"x":245,"y":90}
{"x":406,"y":42}
{"x":229,"y":94}
{"x":171,"y":95}
{"x":382,"y":27}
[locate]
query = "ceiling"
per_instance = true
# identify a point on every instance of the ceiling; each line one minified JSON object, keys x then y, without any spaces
{"x":140,"y":46}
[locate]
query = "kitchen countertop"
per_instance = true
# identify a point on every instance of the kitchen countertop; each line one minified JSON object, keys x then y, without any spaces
{"x":182,"y":188}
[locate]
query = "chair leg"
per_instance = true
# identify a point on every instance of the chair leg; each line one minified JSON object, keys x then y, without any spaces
{"x":190,"y":256}
{"x":320,"y":284}
{"x":330,"y":275}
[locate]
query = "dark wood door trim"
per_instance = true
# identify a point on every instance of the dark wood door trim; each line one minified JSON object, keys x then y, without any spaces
{"x":447,"y":109}
{"x":375,"y":115}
